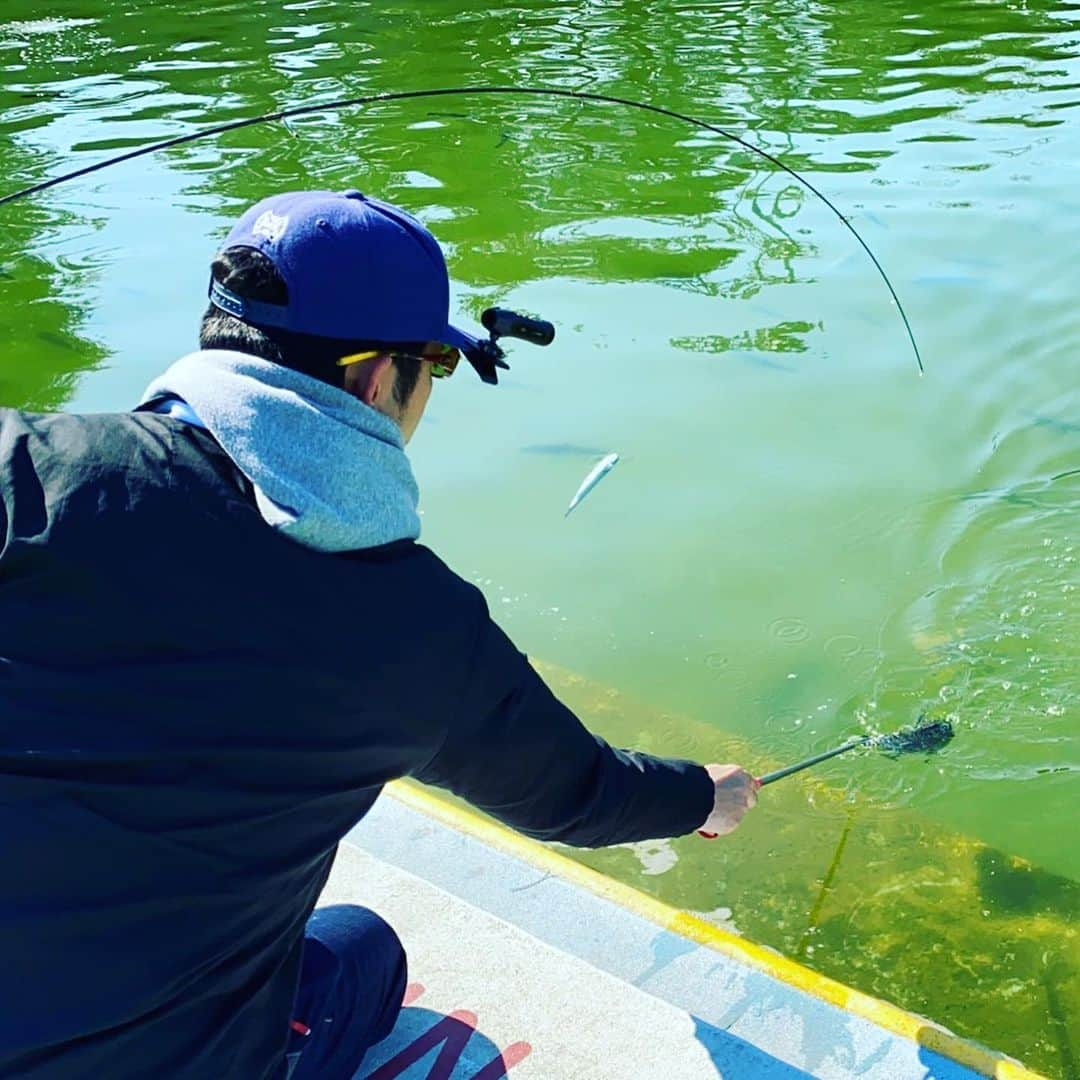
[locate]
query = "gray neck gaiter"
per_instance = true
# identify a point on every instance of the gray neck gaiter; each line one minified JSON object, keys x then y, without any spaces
{"x":329,"y":471}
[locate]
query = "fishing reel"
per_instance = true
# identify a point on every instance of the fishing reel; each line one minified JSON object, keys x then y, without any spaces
{"x":487,"y":356}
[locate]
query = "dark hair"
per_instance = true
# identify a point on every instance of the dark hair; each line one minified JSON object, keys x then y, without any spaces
{"x":251,"y":275}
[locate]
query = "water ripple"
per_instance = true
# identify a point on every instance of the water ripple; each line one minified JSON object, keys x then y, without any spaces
{"x":790,"y":630}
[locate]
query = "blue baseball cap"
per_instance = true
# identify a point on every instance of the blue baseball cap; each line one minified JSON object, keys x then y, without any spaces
{"x":356,"y":268}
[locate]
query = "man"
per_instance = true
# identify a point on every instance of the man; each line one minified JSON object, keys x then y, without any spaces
{"x":219,"y":639}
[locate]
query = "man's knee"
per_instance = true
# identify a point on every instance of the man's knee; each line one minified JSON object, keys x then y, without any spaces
{"x":352,"y":981}
{"x":360,"y":940}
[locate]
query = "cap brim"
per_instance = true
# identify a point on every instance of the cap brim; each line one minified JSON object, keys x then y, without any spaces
{"x":459,"y":339}
{"x":484,"y":358}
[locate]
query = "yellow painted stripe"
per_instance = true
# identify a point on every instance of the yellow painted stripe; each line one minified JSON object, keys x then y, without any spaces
{"x":908,"y":1025}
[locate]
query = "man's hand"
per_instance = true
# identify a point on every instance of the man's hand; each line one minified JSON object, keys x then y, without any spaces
{"x":735,"y":792}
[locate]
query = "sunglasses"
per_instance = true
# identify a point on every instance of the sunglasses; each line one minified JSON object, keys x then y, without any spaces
{"x":443,"y":360}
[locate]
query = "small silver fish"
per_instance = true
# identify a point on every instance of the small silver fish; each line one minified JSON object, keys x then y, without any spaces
{"x":598,"y":472}
{"x":562,"y":450}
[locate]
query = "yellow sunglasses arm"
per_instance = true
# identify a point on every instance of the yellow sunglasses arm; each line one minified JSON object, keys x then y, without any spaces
{"x":356,"y":358}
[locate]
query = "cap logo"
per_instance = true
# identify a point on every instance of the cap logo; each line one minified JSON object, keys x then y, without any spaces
{"x":270,"y":225}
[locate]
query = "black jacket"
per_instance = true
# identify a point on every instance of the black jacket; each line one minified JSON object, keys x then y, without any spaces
{"x":193,"y":712}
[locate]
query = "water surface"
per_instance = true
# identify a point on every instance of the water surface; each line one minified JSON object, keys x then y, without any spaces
{"x":803,"y":539}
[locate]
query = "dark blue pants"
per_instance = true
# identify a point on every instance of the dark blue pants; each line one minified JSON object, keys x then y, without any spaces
{"x":352,"y":980}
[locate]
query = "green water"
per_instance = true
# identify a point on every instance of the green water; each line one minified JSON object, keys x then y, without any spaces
{"x":804,"y":538}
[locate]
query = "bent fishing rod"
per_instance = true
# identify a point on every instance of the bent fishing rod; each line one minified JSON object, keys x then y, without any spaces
{"x":460,"y":91}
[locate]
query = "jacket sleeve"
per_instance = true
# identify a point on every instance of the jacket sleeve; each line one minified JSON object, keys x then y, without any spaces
{"x":516,"y":752}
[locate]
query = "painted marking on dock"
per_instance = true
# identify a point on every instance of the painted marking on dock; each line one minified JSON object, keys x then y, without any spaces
{"x":915,"y":1028}
{"x":451,"y":1034}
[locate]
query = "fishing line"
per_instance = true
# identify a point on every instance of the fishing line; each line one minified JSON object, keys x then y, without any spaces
{"x":519,"y":91}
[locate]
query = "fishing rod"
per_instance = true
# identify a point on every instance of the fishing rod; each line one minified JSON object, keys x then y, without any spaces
{"x":458,"y":91}
{"x":923,"y":738}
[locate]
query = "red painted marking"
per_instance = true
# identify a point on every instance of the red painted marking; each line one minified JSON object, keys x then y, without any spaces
{"x":516,"y":1053}
{"x":412,"y":992}
{"x":453,"y":1032}
{"x":500,"y":1066}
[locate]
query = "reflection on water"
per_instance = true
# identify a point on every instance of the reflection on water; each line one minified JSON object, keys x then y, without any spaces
{"x":1010,"y":886}
{"x":44,"y":351}
{"x":805,"y":539}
